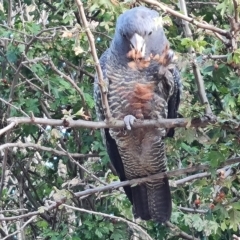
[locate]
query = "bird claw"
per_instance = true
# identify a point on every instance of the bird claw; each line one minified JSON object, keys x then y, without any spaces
{"x":129,"y":120}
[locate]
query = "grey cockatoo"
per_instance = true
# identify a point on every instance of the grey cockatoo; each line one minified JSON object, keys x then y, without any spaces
{"x":143,"y":83}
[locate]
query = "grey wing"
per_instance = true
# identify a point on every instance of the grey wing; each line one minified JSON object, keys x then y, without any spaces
{"x":174,"y":100}
{"x":109,"y":142}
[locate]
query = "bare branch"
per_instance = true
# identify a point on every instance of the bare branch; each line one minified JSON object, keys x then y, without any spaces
{"x":84,"y":169}
{"x":18,"y":109}
{"x":7,"y":128}
{"x":192,"y":177}
{"x":192,"y":210}
{"x":116,"y":185}
{"x":179,"y":232}
{"x":236,"y":13}
{"x":201,"y":3}
{"x":21,"y":228}
{"x":68,"y":79}
{"x":47,"y":149}
{"x":79,"y":69}
{"x":196,"y":70}
{"x":188,"y":19}
{"x":134,"y":225}
{"x":215,"y":57}
{"x":95,"y":59}
{"x":13,"y":210}
{"x":164,"y":123}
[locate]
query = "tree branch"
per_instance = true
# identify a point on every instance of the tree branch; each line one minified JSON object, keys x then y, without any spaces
{"x":90,"y":37}
{"x":134,"y":225}
{"x":196,"y":70}
{"x":179,"y":232}
{"x":7,"y":128}
{"x":192,"y":210}
{"x":47,"y":149}
{"x":54,"y":68}
{"x":188,"y":19}
{"x":116,"y":185}
{"x":21,"y":228}
{"x":163,"y":123}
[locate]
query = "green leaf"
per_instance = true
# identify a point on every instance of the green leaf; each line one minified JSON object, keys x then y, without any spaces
{"x":236,"y":205}
{"x":33,"y":28}
{"x":234,"y":219}
{"x":98,"y":233}
{"x":215,"y":158}
{"x":223,"y":226}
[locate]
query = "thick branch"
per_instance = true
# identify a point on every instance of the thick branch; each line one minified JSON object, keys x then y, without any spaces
{"x":164,"y":123}
{"x":116,"y":185}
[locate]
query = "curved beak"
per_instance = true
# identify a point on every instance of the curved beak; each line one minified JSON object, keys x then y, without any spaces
{"x":138,"y":43}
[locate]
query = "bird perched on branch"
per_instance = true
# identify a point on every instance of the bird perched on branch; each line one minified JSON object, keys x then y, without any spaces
{"x":143,"y":82}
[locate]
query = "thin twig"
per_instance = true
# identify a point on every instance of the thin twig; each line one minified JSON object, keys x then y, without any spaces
{"x":191,"y":178}
{"x":90,"y":36}
{"x":14,"y":210}
{"x":215,"y":57}
{"x":202,"y":3}
{"x":54,"y":68}
{"x":83,"y":168}
{"x":20,"y":110}
{"x":116,"y":185}
{"x":188,"y":19}
{"x":47,"y":149}
{"x":7,"y":128}
{"x":196,"y":70}
{"x":134,"y":225}
{"x":236,"y":11}
{"x":192,"y":210}
{"x":179,"y":232}
{"x":21,"y":228}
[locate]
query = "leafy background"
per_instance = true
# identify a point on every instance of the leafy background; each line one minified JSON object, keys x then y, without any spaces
{"x":43,"y":44}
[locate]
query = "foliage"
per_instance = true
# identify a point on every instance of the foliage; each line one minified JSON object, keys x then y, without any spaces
{"x":31,"y":33}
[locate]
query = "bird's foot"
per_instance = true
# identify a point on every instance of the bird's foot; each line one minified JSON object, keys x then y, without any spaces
{"x":129,"y":120}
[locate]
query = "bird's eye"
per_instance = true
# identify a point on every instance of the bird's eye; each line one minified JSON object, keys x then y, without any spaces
{"x":124,"y":35}
{"x":149,"y":33}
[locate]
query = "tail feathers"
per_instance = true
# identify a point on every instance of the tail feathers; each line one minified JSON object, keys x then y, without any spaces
{"x":152,"y":201}
{"x":159,"y":200}
{"x":140,"y":202}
